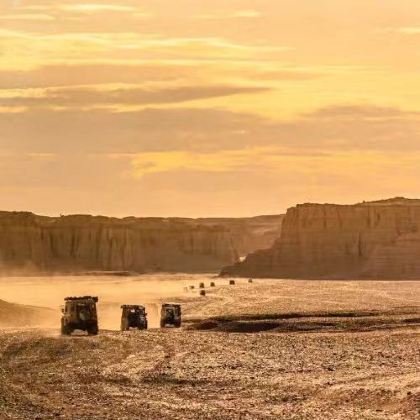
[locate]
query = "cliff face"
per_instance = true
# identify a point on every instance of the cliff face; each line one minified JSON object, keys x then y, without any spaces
{"x":250,"y":234}
{"x":30,"y":243}
{"x":369,"y":240}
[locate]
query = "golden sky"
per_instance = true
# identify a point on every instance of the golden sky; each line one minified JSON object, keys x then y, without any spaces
{"x":207,"y":108}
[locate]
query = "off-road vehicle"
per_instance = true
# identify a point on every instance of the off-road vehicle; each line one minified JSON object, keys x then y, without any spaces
{"x":170,"y":315}
{"x":79,"y":313}
{"x":133,"y":316}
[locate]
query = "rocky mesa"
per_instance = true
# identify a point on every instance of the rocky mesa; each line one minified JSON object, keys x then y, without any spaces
{"x":80,"y":243}
{"x":368,"y":240}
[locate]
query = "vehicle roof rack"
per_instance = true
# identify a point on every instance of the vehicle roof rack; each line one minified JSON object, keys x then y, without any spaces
{"x":70,"y":298}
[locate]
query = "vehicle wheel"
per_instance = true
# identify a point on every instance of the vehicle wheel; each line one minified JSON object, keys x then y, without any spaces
{"x":143,"y":326}
{"x":93,"y":330}
{"x":65,"y":330}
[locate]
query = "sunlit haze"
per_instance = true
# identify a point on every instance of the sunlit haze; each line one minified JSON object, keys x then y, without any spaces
{"x":207,"y":108}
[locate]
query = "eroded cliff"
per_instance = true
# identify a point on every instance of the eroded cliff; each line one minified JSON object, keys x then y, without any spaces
{"x":249,"y":233}
{"x":368,"y":240}
{"x":31,"y":243}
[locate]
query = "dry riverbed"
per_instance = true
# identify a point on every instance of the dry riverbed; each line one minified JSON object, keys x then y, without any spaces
{"x":270,"y":349}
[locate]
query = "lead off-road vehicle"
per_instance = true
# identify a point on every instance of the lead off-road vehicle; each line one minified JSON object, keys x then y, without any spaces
{"x":170,"y":315}
{"x":79,"y":313}
{"x":133,"y":316}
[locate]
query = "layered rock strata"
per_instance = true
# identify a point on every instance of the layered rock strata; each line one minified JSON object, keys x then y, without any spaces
{"x":367,"y":240}
{"x":79,"y":243}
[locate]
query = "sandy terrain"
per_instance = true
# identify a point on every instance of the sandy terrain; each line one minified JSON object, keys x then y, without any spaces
{"x":270,"y":349}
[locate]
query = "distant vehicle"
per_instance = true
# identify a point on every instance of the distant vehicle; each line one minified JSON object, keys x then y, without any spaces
{"x":170,"y":315}
{"x":133,"y":316}
{"x":79,"y":313}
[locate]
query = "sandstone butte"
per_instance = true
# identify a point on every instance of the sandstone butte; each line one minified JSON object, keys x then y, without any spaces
{"x":31,"y":244}
{"x":377,"y":240}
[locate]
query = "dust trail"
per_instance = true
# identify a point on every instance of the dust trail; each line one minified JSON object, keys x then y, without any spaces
{"x":49,"y":292}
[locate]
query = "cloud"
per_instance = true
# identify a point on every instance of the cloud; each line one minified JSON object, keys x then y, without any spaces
{"x":263,"y":159}
{"x":361,"y":112}
{"x":207,"y":161}
{"x":96,"y":7}
{"x":95,"y":74}
{"x":91,"y":9}
{"x":223,"y":161}
{"x":239,"y":14}
{"x":28,"y":17}
{"x":407,"y":30}
{"x":267,"y":159}
{"x":207,"y":102}
{"x":42,"y":156}
{"x":402,"y":30}
{"x":87,"y":97}
{"x":247,"y":14}
{"x":86,"y":183}
{"x":61,"y":75}
{"x":329,"y":130}
{"x":31,"y":8}
{"x":286,"y":74}
{"x":105,"y":131}
{"x":88,"y":47}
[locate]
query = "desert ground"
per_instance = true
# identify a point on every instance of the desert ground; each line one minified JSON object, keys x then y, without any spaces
{"x":264,"y":350}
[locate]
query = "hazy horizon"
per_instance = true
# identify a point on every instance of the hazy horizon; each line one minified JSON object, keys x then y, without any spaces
{"x":206,"y":109}
{"x":220,"y":216}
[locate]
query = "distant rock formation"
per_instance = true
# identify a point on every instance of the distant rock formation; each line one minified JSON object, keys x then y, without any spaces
{"x":79,"y":243}
{"x":368,"y":240}
{"x":249,"y":233}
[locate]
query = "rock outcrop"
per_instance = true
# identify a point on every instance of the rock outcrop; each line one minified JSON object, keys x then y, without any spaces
{"x":251,"y":233}
{"x":368,"y":240}
{"x":79,"y":243}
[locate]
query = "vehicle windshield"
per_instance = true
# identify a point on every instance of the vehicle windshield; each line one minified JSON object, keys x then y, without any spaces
{"x":136,"y":311}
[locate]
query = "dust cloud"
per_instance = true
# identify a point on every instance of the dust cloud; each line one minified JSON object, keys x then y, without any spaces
{"x":49,"y":292}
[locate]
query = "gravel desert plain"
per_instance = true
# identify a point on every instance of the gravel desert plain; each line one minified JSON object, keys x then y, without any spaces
{"x":280,"y":349}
